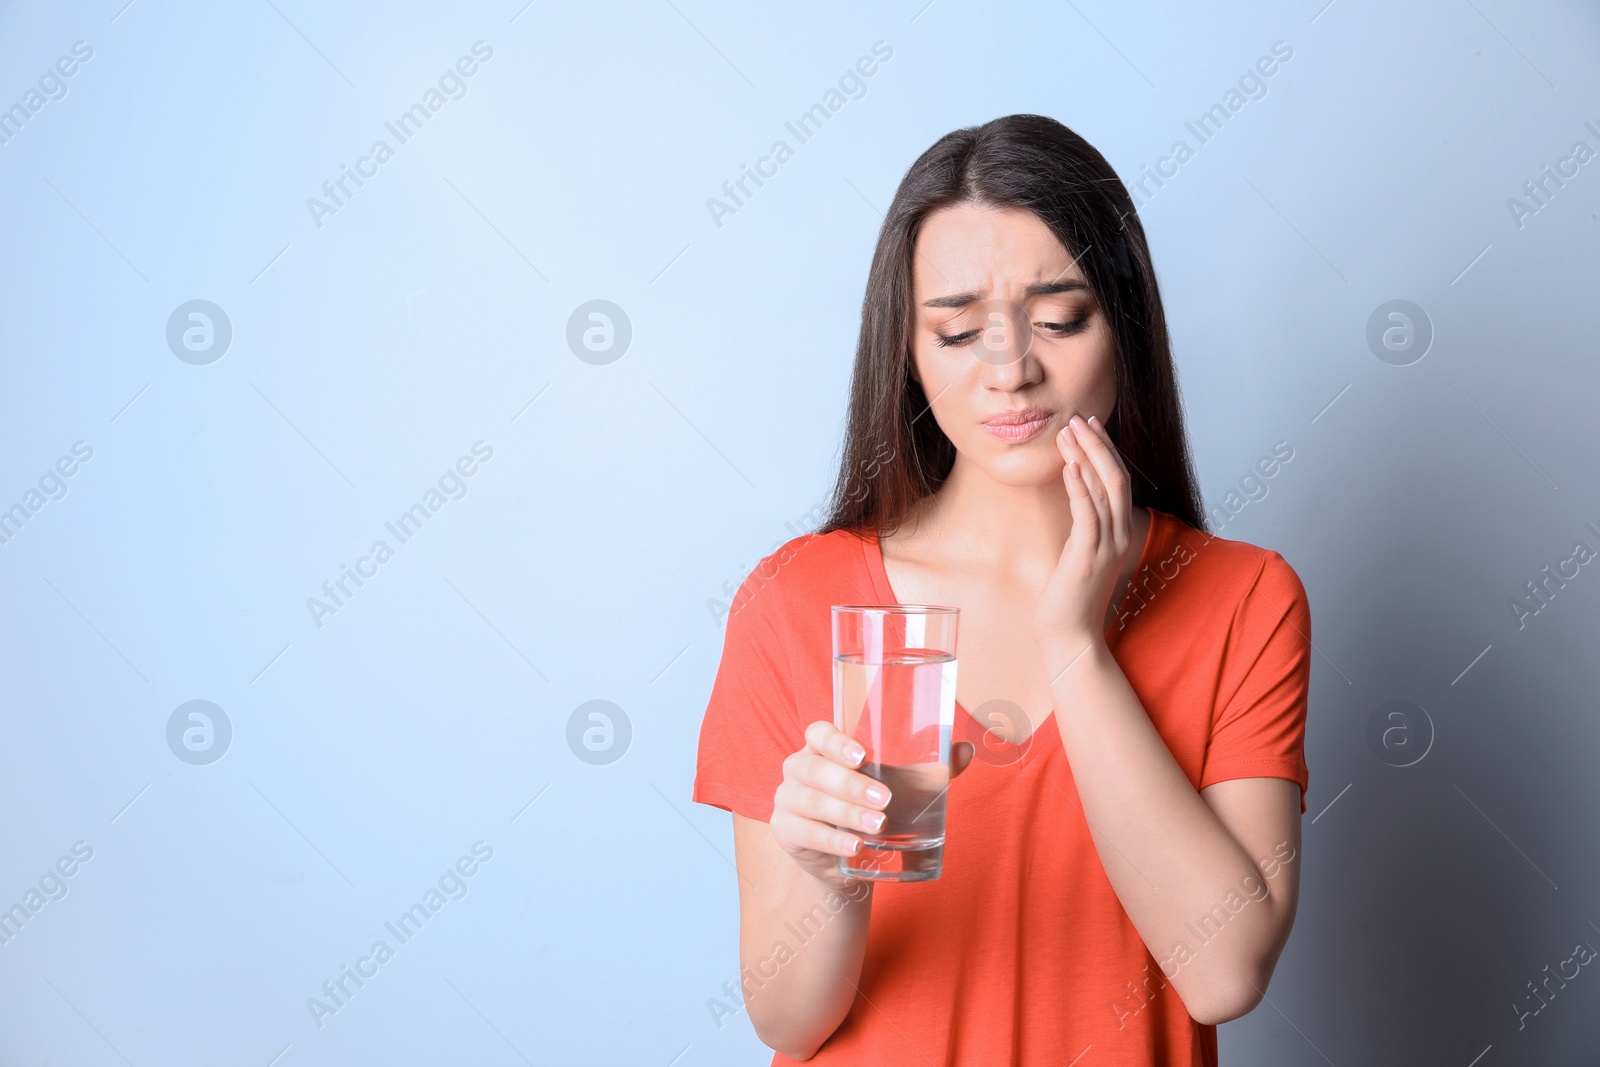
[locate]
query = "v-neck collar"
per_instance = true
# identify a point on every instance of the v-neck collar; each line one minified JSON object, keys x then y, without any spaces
{"x":872,"y":549}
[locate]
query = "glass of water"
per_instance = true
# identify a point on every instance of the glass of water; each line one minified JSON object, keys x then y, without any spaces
{"x":894,"y":691}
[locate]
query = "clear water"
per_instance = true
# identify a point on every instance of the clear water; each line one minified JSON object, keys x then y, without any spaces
{"x":901,"y":712}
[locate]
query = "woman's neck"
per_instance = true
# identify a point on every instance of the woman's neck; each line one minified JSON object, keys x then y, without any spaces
{"x":979,"y":522}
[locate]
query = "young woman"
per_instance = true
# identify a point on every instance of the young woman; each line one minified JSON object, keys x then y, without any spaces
{"x":1121,"y":861}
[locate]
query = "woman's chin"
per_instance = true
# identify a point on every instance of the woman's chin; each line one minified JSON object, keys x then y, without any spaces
{"x":1025,"y":468}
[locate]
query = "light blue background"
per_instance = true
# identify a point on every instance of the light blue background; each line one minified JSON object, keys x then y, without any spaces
{"x":431,"y":312}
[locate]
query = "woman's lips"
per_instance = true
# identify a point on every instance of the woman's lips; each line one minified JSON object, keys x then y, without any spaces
{"x":1017,"y":432}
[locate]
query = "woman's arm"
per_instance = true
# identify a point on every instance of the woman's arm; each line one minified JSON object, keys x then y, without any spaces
{"x":796,"y":991}
{"x":1172,"y":856}
{"x":802,"y":923}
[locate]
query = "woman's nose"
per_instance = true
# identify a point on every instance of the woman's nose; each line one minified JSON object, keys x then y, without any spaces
{"x":1005,"y":335}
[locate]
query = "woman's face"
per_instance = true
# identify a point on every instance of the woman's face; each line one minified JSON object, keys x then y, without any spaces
{"x":1005,"y":325}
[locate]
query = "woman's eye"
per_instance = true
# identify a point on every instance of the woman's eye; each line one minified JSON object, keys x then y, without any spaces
{"x":942,"y":341}
{"x":1060,"y":329}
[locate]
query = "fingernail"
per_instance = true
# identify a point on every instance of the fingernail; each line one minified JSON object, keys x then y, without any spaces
{"x":875,"y":821}
{"x":854,"y":752}
{"x":1094,"y":421}
{"x":877,"y":794}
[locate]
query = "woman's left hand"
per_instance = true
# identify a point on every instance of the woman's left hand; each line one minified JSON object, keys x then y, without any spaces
{"x":1072,"y":606}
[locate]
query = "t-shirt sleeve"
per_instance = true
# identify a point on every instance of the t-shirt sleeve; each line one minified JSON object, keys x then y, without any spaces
{"x":751,"y":721}
{"x":1260,"y":729}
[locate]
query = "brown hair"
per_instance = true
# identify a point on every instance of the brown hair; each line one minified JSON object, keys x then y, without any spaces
{"x":892,"y":456}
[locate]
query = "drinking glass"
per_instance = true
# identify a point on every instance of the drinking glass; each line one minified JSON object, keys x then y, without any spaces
{"x":894,"y":691}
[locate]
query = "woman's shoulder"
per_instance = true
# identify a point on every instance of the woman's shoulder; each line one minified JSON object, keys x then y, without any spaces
{"x":804,"y":567}
{"x":1221,"y":565}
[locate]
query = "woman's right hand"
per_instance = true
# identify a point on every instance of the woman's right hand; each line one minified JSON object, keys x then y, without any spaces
{"x":824,"y":804}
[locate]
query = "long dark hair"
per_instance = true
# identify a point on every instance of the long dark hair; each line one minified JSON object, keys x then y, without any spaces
{"x":893,"y":455}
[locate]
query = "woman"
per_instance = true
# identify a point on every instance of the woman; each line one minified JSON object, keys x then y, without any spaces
{"x":1120,"y":865}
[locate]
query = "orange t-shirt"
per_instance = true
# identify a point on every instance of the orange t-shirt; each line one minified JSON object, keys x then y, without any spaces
{"x":1020,"y":952}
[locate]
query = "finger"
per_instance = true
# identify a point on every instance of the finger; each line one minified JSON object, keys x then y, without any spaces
{"x":800,"y":832}
{"x":961,"y":754}
{"x":820,"y":772}
{"x":814,"y":804}
{"x":1080,"y":550}
{"x":1114,"y":473}
{"x":1093,"y":448}
{"x":826,"y":739}
{"x":1085,"y":520}
{"x":1067,"y":442}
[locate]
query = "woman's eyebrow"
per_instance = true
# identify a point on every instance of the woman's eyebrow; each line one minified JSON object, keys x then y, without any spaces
{"x":959,"y":300}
